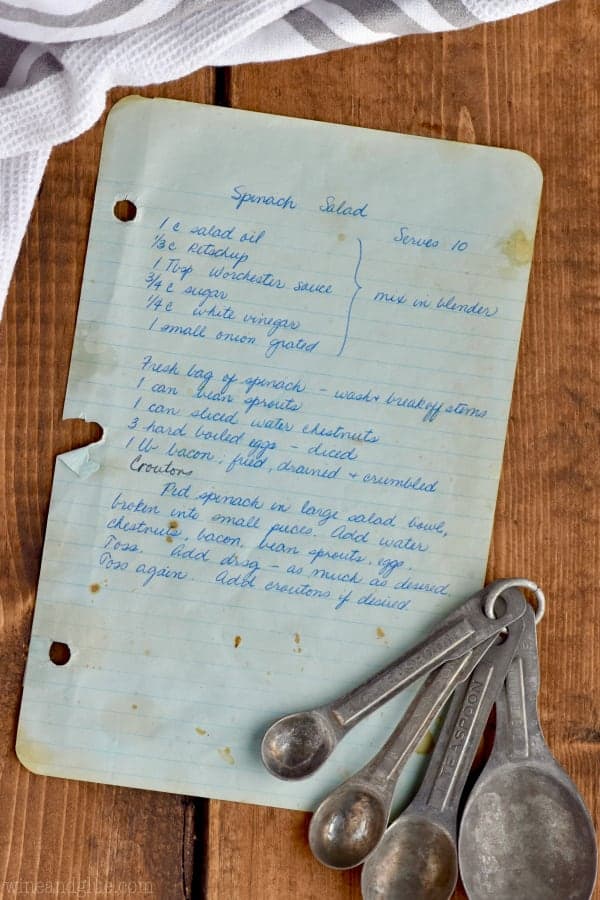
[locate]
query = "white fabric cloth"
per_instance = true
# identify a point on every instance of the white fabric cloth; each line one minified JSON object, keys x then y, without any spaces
{"x":59,"y":57}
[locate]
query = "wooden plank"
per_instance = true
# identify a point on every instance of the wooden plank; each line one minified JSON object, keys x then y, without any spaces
{"x":98,"y":840}
{"x":529,"y":83}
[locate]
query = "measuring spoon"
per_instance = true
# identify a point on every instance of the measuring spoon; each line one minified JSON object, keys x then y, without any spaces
{"x":525,"y":832}
{"x":417,"y":858}
{"x":297,"y":745}
{"x":351,"y":821}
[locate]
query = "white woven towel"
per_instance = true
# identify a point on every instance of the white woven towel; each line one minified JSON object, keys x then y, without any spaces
{"x":59,"y":57}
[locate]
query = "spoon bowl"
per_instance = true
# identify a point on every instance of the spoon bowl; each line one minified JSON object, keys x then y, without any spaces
{"x":347,"y":826}
{"x":297,"y":745}
{"x":416,"y":859}
{"x":527,"y":835}
{"x":350,"y":822}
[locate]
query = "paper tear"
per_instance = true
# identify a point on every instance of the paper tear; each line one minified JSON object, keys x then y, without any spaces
{"x":82,"y":461}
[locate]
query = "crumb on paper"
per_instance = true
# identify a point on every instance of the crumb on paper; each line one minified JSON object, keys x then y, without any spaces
{"x":380,"y":633}
{"x":94,"y":588}
{"x":173,"y":524}
{"x":237,"y":641}
{"x":200,"y":731}
{"x":226,"y":755}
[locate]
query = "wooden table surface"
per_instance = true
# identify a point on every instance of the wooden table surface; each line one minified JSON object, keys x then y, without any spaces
{"x":529,"y":83}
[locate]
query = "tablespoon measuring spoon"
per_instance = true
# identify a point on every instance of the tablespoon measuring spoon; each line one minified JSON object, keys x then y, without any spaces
{"x":417,"y":858}
{"x":525,"y":832}
{"x":297,"y":745}
{"x":351,"y":821}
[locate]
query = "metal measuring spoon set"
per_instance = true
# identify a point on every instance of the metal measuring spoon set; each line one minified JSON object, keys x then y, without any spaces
{"x":524,"y":834}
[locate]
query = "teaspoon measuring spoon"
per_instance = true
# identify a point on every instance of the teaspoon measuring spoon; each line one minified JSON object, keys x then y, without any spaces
{"x":525,"y":832}
{"x":298,"y":744}
{"x":351,"y":821}
{"x":417,"y":858}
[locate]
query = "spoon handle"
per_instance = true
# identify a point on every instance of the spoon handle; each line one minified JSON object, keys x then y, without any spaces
{"x":383,"y":770}
{"x":441,"y":790}
{"x":518,"y":732}
{"x":461,"y":631}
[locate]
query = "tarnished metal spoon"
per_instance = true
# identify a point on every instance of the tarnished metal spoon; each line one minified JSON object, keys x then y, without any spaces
{"x":297,"y":745}
{"x":351,"y":821}
{"x":417,"y":858}
{"x":525,"y":832}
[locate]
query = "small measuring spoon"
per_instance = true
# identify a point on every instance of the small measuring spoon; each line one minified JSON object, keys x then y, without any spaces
{"x":297,"y":745}
{"x":525,"y":832}
{"x":417,"y":858}
{"x":351,"y":821}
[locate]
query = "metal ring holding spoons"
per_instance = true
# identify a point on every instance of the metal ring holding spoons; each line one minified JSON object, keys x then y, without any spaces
{"x":498,"y":587}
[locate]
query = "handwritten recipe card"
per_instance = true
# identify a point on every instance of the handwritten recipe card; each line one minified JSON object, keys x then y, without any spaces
{"x":301,"y":351}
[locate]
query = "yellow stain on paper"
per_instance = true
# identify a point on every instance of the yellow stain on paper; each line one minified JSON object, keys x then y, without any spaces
{"x":518,"y":248}
{"x":427,"y":744}
{"x":226,"y":755}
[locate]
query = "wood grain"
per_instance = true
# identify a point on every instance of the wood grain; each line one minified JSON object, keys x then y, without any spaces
{"x":529,"y":83}
{"x":99,"y":840}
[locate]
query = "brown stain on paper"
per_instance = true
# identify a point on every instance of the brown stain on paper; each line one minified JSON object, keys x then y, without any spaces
{"x":94,"y":588}
{"x":200,"y":731}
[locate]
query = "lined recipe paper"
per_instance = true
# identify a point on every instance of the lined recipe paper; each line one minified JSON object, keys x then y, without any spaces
{"x":301,"y":350}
